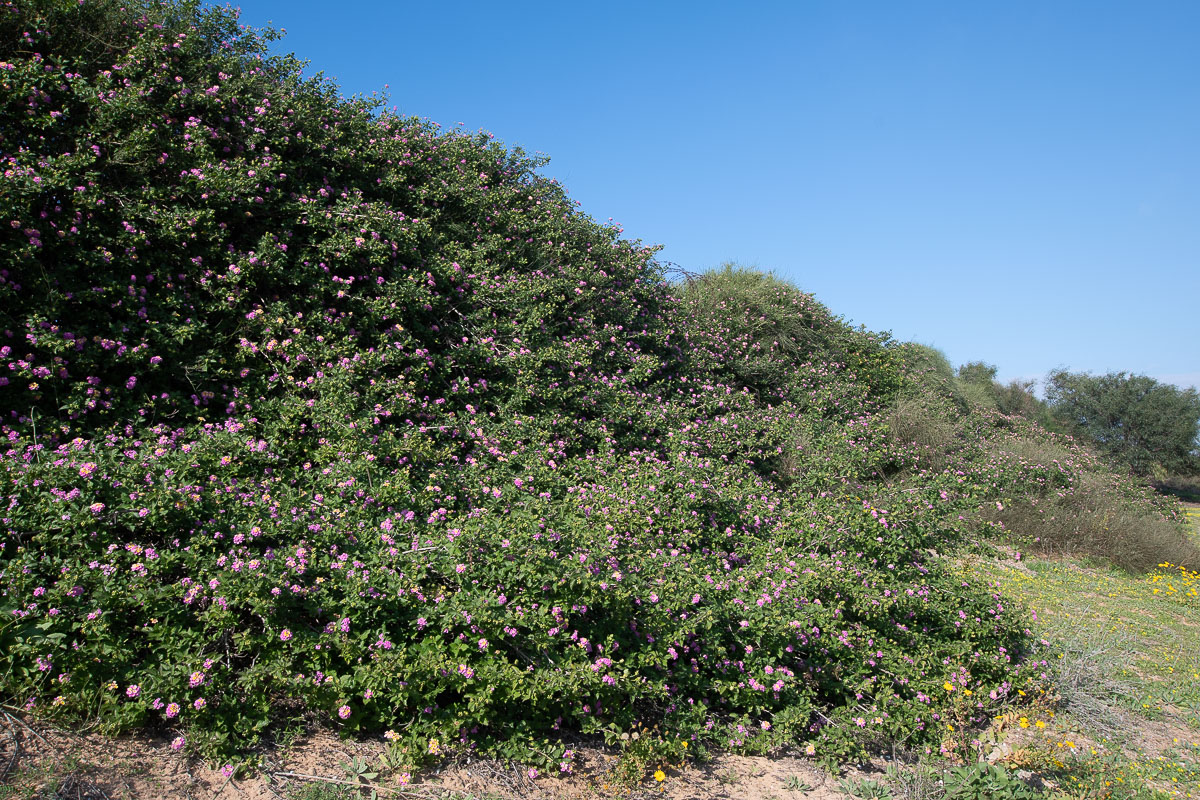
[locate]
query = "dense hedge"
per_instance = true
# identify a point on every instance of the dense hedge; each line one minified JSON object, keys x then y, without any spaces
{"x":310,"y":409}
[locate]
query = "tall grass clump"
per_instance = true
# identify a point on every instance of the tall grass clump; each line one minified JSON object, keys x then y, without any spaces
{"x":1185,"y":487}
{"x":1061,"y":499}
{"x":928,"y":368}
{"x":1044,"y":491}
{"x":927,"y":428}
{"x":1095,"y":517}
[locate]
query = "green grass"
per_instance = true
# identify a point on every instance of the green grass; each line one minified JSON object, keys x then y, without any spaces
{"x":1124,"y":718}
{"x":45,"y":779}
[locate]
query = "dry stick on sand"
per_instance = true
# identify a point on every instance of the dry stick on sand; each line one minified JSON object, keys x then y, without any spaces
{"x":321,"y":779}
{"x":16,"y":752}
{"x":228,"y":778}
{"x":21,"y":722}
{"x":72,"y":782}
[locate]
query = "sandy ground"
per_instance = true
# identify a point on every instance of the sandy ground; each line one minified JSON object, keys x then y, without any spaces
{"x":42,"y":762}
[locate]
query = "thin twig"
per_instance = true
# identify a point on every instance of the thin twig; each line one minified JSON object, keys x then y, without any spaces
{"x":322,"y":779}
{"x":374,"y":787}
{"x":20,"y":722}
{"x":228,"y":778}
{"x":271,"y":789}
{"x":13,"y":760}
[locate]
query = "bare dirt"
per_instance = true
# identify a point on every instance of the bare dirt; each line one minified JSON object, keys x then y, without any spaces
{"x":40,"y":762}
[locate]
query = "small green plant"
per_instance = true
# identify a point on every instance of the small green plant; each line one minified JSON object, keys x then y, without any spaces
{"x":728,"y":777}
{"x":360,"y":772}
{"x":918,"y":781}
{"x":643,"y":751}
{"x":795,"y":783}
{"x":986,"y":782}
{"x":397,"y":757}
{"x":865,"y":789}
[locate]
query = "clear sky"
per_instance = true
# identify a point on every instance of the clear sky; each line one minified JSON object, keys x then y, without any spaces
{"x":1013,"y":182}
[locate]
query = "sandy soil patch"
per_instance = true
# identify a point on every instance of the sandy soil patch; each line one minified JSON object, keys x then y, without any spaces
{"x":45,"y":762}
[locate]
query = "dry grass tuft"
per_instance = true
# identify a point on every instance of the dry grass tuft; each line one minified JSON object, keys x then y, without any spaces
{"x":1093,"y":520}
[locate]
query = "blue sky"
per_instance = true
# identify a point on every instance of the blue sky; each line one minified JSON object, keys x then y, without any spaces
{"x":1014,"y":182}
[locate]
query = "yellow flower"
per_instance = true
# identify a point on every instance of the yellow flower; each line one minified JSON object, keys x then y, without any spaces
{"x":1041,"y":724}
{"x":948,"y":686}
{"x":1024,"y":722}
{"x":659,"y":775}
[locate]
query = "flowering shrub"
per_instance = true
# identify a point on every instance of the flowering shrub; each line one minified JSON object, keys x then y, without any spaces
{"x":310,"y":408}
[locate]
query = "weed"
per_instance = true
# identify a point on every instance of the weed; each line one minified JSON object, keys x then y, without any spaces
{"x":795,"y":783}
{"x":919,"y":781}
{"x":1088,"y":676}
{"x":728,"y":777}
{"x":865,"y":789}
{"x":986,"y":782}
{"x":360,"y":772}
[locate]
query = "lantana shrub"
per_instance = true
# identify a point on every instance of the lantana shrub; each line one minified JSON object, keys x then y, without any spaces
{"x":311,"y":409}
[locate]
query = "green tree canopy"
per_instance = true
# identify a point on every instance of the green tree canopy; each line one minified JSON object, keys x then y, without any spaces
{"x":977,"y":372}
{"x":1139,"y":421}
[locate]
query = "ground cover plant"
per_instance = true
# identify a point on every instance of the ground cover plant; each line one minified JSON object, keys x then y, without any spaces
{"x":311,"y":411}
{"x":1123,"y":718}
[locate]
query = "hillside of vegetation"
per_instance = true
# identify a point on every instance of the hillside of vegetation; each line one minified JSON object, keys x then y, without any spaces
{"x":311,"y":411}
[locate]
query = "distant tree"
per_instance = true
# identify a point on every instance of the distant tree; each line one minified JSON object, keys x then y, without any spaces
{"x":977,"y":372}
{"x":1147,"y":425}
{"x":1017,"y":397}
{"x":976,"y":381}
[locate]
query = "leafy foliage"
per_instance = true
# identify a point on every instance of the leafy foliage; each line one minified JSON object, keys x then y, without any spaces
{"x":1147,"y":425}
{"x":757,"y":330}
{"x":986,"y":782}
{"x":1016,"y":398}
